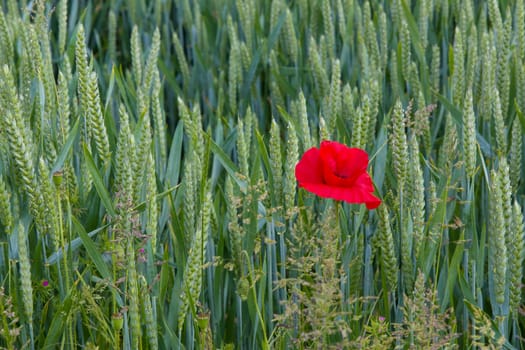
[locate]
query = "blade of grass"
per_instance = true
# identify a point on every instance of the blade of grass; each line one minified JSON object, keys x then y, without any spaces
{"x":98,"y":182}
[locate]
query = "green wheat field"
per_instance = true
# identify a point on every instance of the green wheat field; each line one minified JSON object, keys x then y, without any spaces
{"x":148,"y":197}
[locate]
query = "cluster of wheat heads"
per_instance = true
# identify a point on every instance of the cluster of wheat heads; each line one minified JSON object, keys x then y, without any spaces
{"x":147,"y":189}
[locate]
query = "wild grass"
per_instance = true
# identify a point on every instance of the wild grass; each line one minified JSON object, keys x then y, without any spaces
{"x":147,"y":190}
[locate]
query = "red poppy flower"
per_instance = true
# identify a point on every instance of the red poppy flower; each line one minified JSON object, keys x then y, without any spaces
{"x":337,"y":171}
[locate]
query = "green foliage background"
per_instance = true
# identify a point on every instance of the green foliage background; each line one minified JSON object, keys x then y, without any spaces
{"x":147,"y":189}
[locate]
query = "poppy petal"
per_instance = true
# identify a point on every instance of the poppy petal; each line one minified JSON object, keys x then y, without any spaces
{"x":337,"y":171}
{"x":364,"y":182}
{"x":372,"y":202}
{"x":342,"y":164}
{"x":349,"y":195}
{"x":309,"y":167}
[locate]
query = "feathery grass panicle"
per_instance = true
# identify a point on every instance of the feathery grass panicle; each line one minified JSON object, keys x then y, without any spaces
{"x":10,"y":330}
{"x":469,"y":135}
{"x":497,"y":249}
{"x":311,"y":316}
{"x":484,"y":335}
{"x":516,"y":256}
{"x":424,"y":325}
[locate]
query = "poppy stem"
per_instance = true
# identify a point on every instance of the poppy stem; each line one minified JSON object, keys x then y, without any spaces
{"x":337,"y":205}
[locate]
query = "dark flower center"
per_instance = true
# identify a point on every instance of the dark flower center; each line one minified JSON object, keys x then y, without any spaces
{"x":341,"y":175}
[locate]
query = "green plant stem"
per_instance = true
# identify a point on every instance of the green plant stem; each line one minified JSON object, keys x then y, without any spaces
{"x":265,"y":345}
